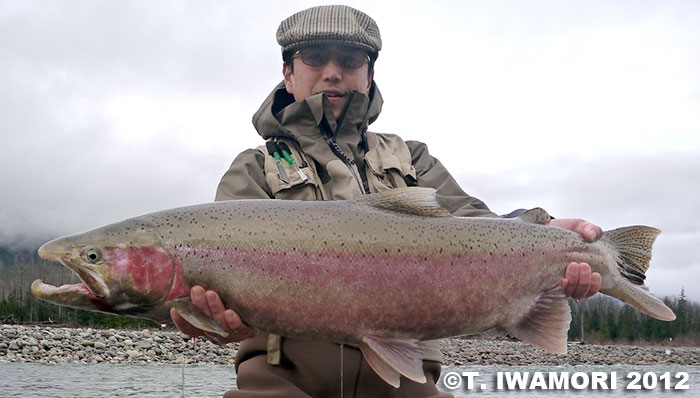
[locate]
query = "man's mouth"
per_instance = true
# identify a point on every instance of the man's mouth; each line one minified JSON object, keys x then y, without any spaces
{"x":334,"y":95}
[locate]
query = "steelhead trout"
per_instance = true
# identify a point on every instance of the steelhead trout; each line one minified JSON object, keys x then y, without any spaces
{"x":382,"y":271}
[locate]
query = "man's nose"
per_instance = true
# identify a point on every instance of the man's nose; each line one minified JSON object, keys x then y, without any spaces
{"x":332,"y":71}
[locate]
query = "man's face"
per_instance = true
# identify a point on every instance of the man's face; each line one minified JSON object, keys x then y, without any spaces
{"x":337,"y":78}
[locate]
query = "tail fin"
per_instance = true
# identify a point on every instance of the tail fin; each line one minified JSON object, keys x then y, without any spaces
{"x":633,"y":245}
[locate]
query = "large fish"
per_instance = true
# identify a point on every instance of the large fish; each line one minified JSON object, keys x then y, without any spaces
{"x":382,"y":272}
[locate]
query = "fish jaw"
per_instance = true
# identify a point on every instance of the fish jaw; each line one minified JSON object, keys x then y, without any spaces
{"x":76,"y":295}
{"x":130,"y":275}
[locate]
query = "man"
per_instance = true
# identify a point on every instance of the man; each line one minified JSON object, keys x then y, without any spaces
{"x":319,"y":115}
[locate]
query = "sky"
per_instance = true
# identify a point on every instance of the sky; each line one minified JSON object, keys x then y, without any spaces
{"x":589,"y":109}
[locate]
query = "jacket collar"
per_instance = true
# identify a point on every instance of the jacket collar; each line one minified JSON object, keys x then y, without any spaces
{"x":280,"y":115}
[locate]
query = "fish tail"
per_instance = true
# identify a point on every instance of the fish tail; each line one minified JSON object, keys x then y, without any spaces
{"x":633,"y":247}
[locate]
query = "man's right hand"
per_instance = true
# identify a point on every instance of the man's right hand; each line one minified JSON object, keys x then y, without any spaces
{"x":210,"y":302}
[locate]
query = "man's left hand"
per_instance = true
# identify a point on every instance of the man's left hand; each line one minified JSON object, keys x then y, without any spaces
{"x":579,"y":282}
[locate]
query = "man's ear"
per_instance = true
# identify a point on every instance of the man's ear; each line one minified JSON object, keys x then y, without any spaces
{"x":287,"y":73}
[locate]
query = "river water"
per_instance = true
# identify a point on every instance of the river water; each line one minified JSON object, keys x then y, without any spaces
{"x":159,"y":380}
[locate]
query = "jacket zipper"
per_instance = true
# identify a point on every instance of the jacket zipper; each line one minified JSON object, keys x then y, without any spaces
{"x":348,"y":162}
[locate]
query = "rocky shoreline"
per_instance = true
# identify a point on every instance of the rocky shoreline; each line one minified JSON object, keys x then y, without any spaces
{"x":465,"y":352}
{"x":19,"y":343}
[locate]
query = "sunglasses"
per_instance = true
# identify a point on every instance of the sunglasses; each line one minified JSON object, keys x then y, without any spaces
{"x":321,"y":56}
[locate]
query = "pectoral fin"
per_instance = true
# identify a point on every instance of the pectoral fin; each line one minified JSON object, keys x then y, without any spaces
{"x":197,"y":317}
{"x":391,"y":358}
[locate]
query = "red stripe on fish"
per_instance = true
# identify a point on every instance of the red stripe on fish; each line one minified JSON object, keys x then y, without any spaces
{"x":306,"y":282}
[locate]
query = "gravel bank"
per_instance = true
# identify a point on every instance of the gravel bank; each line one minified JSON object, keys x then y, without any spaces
{"x":20,"y":343}
{"x":57,"y":345}
{"x":499,"y":352}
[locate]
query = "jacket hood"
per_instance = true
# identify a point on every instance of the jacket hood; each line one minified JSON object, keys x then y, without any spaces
{"x":280,"y":115}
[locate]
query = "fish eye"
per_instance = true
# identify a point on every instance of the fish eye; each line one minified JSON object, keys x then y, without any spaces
{"x":93,"y":255}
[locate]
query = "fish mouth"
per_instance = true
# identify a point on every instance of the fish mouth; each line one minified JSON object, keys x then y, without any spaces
{"x":76,"y":295}
{"x":88,"y":294}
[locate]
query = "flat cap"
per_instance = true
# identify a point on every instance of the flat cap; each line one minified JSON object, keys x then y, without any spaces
{"x":337,"y":24}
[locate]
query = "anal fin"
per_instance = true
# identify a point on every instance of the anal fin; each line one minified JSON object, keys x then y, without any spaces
{"x":383,"y":370}
{"x":192,"y":314}
{"x":390,"y":358}
{"x":546,"y":325}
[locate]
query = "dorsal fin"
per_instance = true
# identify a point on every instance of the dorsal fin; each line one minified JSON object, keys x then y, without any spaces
{"x":537,"y":215}
{"x":418,"y":201}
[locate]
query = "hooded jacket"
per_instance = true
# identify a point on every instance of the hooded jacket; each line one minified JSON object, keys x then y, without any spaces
{"x":309,"y":124}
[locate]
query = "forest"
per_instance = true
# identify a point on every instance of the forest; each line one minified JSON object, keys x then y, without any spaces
{"x":607,"y":320}
{"x":601,"y":319}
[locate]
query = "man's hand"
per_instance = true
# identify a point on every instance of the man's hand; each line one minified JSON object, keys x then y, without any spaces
{"x":210,"y":302}
{"x":579,"y":282}
{"x":587,"y":230}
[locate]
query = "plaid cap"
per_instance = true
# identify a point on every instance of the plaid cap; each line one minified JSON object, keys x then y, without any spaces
{"x":338,"y":24}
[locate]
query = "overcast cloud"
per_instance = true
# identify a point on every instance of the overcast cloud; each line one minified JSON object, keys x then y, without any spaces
{"x":110,"y":109}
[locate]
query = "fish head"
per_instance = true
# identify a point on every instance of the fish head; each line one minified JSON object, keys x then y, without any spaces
{"x":124,"y":269}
